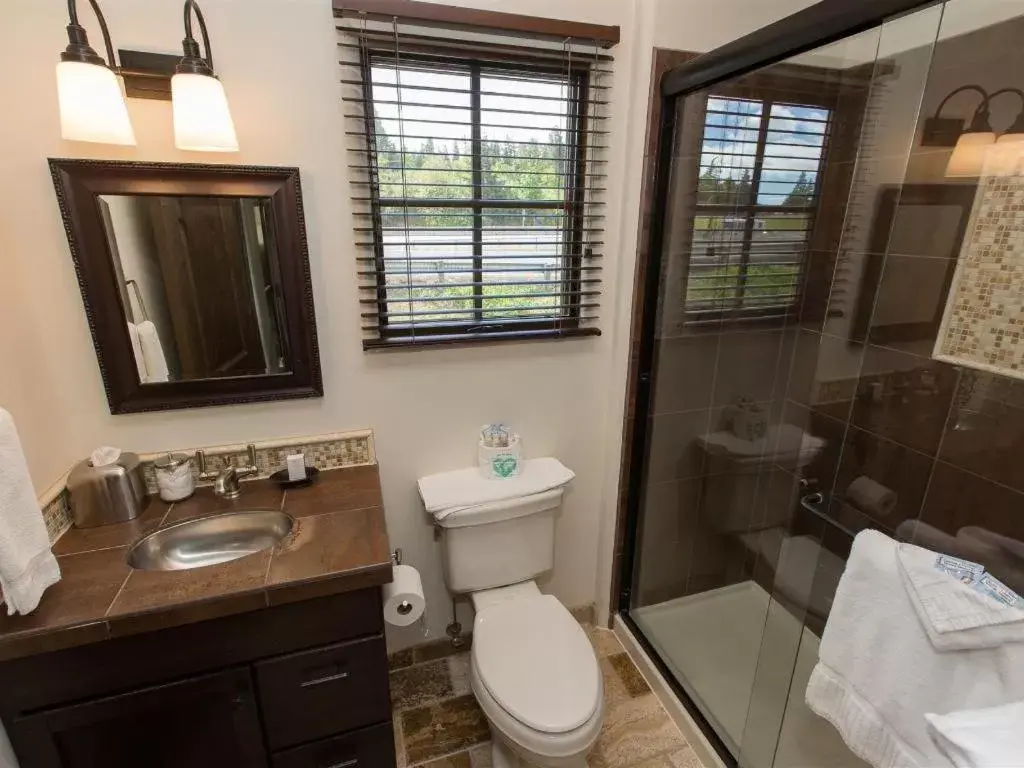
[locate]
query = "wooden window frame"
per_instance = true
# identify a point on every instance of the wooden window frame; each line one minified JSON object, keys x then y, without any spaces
{"x":573,"y":204}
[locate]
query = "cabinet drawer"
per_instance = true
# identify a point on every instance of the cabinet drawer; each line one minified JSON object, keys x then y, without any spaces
{"x":319,"y":693}
{"x":369,"y":748}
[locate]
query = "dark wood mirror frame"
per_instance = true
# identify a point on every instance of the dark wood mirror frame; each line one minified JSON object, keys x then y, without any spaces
{"x":78,"y":184}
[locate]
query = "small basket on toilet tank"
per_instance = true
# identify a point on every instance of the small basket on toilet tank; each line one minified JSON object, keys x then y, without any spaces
{"x":499,"y":452}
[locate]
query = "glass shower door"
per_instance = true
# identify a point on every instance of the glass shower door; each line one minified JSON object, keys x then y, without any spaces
{"x":733,"y":578}
{"x":884,"y":73}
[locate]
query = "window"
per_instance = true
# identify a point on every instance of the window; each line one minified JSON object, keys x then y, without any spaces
{"x":478,"y":185}
{"x":760,"y":168}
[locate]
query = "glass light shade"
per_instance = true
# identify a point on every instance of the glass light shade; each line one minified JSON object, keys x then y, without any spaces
{"x":92,"y":105}
{"x":202,"y":120}
{"x":1006,"y":156}
{"x":971,"y":151}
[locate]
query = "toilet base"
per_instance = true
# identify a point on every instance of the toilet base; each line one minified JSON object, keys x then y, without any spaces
{"x":502,"y":756}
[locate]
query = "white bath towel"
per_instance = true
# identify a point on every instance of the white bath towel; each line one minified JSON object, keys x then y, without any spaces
{"x":954,"y":616}
{"x":152,"y":351}
{"x":981,"y":738}
{"x":878,"y":674}
{"x":449,"y":492}
{"x":27,"y":567}
{"x":140,"y":358}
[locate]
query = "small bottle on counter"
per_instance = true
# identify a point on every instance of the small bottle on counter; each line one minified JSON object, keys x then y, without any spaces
{"x":174,"y":476}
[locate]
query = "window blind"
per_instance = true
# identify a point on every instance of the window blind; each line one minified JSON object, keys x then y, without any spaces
{"x":478,"y":175}
{"x":757,"y":191}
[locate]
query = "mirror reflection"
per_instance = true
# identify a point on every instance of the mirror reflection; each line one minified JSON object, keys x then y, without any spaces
{"x":200,"y":285}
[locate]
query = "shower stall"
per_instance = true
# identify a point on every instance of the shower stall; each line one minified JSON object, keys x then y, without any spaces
{"x":816,"y":187}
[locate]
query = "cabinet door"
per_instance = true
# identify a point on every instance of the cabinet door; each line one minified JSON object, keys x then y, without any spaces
{"x":202,"y":722}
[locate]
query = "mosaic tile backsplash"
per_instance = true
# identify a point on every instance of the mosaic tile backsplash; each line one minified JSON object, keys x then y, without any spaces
{"x":984,"y":317}
{"x":333,"y":451}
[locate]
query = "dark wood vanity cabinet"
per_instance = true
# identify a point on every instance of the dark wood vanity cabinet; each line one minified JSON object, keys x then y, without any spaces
{"x":303,"y":685}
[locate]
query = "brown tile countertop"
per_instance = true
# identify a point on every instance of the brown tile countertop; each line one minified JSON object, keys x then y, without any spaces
{"x":339,"y":543}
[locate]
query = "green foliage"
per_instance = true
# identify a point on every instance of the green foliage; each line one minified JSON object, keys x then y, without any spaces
{"x":530,"y":171}
{"x":802,"y":193}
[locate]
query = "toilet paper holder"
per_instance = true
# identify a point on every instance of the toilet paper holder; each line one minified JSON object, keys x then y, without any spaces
{"x":405,"y":607}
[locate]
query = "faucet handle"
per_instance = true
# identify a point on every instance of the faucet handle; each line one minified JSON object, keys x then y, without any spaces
{"x":251,"y":468}
{"x":204,"y":473}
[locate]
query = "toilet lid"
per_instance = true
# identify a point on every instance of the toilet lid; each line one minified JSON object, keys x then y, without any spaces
{"x":536,"y":661}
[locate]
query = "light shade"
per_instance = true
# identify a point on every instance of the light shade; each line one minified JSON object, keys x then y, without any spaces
{"x":92,"y":105}
{"x":202,"y":120}
{"x":971,"y":151}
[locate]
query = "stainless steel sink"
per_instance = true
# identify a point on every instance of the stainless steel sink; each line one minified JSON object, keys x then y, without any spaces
{"x":209,"y":540}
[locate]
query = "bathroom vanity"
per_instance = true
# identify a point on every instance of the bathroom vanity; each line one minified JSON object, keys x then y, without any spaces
{"x":276,"y":659}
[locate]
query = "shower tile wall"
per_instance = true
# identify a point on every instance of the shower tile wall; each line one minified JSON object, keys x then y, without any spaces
{"x":945,"y":440}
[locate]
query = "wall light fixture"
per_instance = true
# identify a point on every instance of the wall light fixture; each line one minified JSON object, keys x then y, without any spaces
{"x":89,"y":90}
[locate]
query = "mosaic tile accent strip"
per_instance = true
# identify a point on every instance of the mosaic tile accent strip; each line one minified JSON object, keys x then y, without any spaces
{"x":334,"y":451}
{"x":984,"y":319}
{"x":57,"y":515}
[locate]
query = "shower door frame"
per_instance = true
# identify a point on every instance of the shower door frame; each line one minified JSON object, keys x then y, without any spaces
{"x":821,"y":24}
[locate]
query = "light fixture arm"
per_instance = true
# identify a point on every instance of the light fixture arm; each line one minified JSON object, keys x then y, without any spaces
{"x":976,"y":88}
{"x":78,"y":42}
{"x":1018,"y":124}
{"x":194,"y":61}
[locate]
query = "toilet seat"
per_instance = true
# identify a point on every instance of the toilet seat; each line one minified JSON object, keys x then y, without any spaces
{"x":536,"y":663}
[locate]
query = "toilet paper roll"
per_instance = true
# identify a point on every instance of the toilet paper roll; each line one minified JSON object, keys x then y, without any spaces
{"x":403,"y":597}
{"x":870,"y":497}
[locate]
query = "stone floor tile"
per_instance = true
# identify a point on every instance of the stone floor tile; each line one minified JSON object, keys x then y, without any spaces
{"x":480,"y":756}
{"x":629,"y":674}
{"x":604,"y":641}
{"x":458,"y":673}
{"x":634,"y":731}
{"x":420,"y":684}
{"x":458,"y":760}
{"x":442,"y":728}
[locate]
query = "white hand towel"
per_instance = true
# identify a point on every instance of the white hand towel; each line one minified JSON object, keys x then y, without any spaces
{"x":152,"y":351}
{"x":140,"y":358}
{"x":27,"y":567}
{"x":878,"y":674}
{"x":449,"y":492}
{"x":954,"y":616}
{"x":981,"y":738}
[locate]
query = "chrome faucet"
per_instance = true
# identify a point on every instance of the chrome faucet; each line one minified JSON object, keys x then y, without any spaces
{"x":225,"y":482}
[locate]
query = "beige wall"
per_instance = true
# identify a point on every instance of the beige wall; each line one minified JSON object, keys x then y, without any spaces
{"x":277,"y":59}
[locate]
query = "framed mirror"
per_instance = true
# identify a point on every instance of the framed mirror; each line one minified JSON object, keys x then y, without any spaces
{"x":195,"y":280}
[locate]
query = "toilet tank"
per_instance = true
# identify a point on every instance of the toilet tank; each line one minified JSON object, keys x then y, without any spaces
{"x":500,"y":543}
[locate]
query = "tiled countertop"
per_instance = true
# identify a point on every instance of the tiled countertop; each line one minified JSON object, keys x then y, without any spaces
{"x":339,"y":543}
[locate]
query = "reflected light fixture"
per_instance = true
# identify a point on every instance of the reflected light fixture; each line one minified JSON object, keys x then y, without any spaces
{"x":977,"y":150}
{"x":89,"y":91}
{"x":971,"y":151}
{"x":202,"y":119}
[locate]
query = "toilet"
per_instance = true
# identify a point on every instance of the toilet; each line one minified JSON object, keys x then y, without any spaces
{"x":533,"y":670}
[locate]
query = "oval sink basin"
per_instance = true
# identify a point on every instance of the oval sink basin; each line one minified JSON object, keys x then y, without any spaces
{"x":202,"y":541}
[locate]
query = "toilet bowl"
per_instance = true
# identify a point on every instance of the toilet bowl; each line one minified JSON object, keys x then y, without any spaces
{"x":533,"y":670}
{"x":536,"y":678}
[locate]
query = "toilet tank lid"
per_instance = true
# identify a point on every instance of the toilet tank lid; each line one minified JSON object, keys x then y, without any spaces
{"x":497,"y":511}
{"x":449,"y":492}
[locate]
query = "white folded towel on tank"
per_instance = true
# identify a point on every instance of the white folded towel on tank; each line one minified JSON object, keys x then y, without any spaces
{"x":27,"y":567}
{"x":981,"y":738}
{"x":878,"y":673}
{"x":448,"y":492}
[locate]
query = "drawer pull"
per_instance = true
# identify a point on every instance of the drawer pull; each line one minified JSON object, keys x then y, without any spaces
{"x":345,"y":763}
{"x":320,"y":681}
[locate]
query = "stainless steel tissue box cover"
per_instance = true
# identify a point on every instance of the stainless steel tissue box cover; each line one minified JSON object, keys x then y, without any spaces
{"x":109,"y":494}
